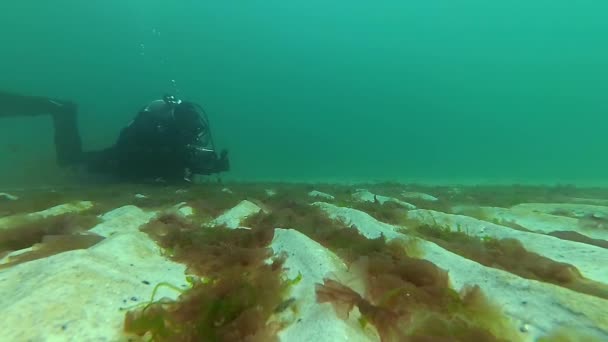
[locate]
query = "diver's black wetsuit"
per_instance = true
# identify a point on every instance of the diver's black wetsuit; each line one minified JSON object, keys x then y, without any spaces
{"x":168,"y":139}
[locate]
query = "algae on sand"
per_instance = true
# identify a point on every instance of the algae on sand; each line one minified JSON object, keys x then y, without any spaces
{"x":241,"y":292}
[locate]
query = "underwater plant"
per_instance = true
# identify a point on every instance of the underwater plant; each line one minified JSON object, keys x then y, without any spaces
{"x":237,"y":287}
{"x":593,"y":221}
{"x":234,"y":294}
{"x":26,"y":231}
{"x":47,"y":236}
{"x":54,"y":244}
{"x":390,"y":326}
{"x":510,"y":255}
{"x":388,"y":212}
{"x":403,"y":294}
{"x":431,"y":311}
{"x":578,"y":237}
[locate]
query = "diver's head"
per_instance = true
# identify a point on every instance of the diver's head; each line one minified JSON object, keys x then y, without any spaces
{"x":166,"y":105}
{"x":171,"y":100}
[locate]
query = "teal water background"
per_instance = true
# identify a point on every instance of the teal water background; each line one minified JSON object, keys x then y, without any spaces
{"x":428,"y":90}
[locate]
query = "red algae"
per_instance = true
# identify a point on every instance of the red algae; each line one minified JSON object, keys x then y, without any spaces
{"x":399,"y":288}
{"x":511,"y":256}
{"x":236,"y":295}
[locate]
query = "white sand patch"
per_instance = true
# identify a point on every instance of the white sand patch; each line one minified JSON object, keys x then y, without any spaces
{"x":232,"y":218}
{"x":182,"y":208}
{"x":419,"y":195}
{"x":321,"y":195}
{"x":77,"y":295}
{"x":185,"y":211}
{"x":366,"y":196}
{"x":366,"y":224}
{"x":122,"y":220}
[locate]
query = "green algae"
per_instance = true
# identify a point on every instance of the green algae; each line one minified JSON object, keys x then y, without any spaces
{"x":231,"y":308}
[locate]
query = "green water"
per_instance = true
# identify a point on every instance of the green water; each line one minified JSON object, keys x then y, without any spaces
{"x":344,"y":90}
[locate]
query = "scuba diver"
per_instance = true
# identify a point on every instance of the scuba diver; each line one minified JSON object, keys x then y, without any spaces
{"x":169,"y":139}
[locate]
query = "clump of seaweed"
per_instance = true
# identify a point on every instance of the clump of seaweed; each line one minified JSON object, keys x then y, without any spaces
{"x":35,"y":200}
{"x":511,"y":224}
{"x":474,"y":318}
{"x":466,"y":316}
{"x":207,"y":200}
{"x":483,"y":215}
{"x":54,"y":244}
{"x":593,"y":221}
{"x":389,"y":212}
{"x":47,"y":236}
{"x":442,"y":204}
{"x":511,"y":256}
{"x":285,"y":197}
{"x":390,"y":325}
{"x":563,"y":212}
{"x":333,"y":234}
{"x":236,"y":295}
{"x":398,"y":286}
{"x":577,"y":237}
